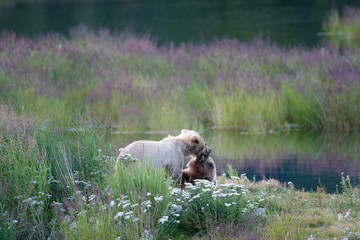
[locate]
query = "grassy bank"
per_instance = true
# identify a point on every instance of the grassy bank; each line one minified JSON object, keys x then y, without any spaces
{"x":135,"y":84}
{"x":343,"y":29}
{"x":57,"y":187}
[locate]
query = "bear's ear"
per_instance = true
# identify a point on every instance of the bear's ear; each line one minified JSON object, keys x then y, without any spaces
{"x":184,"y":131}
{"x":195,"y":139}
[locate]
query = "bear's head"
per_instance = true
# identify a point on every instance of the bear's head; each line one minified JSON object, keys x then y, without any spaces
{"x":210,"y":170}
{"x":195,"y":144}
{"x":196,"y":170}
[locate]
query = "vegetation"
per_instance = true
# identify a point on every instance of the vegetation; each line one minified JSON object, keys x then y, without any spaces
{"x":136,"y":85}
{"x":57,"y":186}
{"x":344,"y":30}
{"x":39,"y":168}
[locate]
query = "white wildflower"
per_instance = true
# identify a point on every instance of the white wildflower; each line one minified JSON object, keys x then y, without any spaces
{"x":186,"y":195}
{"x":175,"y":191}
{"x":146,"y":203}
{"x":227,"y":204}
{"x":176,"y":208}
{"x":57,"y":203}
{"x":92,"y":197}
{"x":112,"y":203}
{"x":119,"y":214}
{"x":206,"y":189}
{"x":164,"y":219}
{"x":158,"y":198}
{"x":189,"y":186}
{"x":259,"y":212}
{"x":196,"y":196}
{"x":33,"y":202}
{"x":203,"y":183}
{"x":347,"y":214}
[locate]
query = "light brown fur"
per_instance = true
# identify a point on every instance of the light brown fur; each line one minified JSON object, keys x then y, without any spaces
{"x":200,"y":170}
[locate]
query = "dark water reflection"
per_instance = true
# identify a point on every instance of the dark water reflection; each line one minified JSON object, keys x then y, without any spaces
{"x":288,"y":22}
{"x":304,"y":158}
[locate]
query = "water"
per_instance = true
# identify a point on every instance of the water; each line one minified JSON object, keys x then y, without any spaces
{"x":288,"y":22}
{"x":304,"y":158}
{"x":308,"y":159}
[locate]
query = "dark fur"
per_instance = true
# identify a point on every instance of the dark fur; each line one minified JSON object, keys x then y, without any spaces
{"x":199,"y":170}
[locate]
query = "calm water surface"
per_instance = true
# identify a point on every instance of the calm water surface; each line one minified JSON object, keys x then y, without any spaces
{"x":288,"y":22}
{"x":307,"y":159}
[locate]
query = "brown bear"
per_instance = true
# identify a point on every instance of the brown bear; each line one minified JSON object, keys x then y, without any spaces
{"x":169,"y":152}
{"x":199,"y":170}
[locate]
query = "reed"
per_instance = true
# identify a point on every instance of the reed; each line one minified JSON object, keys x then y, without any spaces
{"x":131,"y":82}
{"x":38,"y":166}
{"x":343,"y":29}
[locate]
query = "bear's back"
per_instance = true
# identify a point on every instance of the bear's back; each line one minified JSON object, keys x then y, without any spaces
{"x":159,"y":152}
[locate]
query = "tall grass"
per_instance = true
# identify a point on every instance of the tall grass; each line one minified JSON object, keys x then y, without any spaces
{"x":344,"y":29}
{"x":137,"y":85}
{"x":285,"y":227}
{"x":61,"y":185}
{"x":145,"y":206}
{"x":129,"y":207}
{"x":38,"y":166}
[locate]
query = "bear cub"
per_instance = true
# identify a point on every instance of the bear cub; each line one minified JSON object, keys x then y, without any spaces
{"x":200,"y":168}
